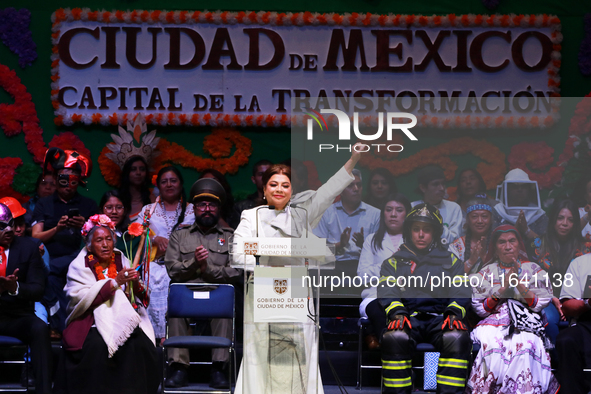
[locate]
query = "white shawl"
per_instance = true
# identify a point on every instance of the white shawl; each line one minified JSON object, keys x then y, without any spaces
{"x":115,"y":319}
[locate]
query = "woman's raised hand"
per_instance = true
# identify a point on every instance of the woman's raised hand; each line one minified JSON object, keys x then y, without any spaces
{"x":356,"y":152}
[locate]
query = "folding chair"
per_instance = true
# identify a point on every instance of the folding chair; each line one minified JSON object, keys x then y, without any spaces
{"x":7,"y":343}
{"x":200,"y":301}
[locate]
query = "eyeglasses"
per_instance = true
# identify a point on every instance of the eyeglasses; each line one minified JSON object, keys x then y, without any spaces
{"x":4,"y":225}
{"x":111,"y":208}
{"x":64,"y":179}
{"x":202,"y":206}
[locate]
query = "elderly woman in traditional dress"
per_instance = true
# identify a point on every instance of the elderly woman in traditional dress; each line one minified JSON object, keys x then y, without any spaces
{"x":109,"y":340}
{"x":509,"y":298}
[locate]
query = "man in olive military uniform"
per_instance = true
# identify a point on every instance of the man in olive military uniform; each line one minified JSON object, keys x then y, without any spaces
{"x":199,"y":254}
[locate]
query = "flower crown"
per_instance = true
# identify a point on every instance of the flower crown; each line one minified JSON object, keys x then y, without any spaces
{"x":97,"y":220}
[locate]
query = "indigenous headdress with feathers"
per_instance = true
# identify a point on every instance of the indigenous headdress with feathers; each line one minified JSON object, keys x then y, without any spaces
{"x":136,"y":141}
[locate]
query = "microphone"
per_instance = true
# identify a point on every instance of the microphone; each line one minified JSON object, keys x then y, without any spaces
{"x":296,"y":206}
{"x":256,"y":256}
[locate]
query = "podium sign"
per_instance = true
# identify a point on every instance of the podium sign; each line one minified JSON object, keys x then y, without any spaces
{"x":273,"y":301}
{"x":289,"y":247}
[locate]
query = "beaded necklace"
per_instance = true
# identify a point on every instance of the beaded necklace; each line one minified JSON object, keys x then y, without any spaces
{"x":176,"y":217}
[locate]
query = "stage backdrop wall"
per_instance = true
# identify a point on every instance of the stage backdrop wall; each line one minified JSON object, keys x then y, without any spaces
{"x":270,"y":142}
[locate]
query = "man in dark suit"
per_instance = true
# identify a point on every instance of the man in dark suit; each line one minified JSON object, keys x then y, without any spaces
{"x":22,"y":282}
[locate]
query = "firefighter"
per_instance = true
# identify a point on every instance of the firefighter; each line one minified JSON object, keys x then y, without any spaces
{"x":425,"y":293}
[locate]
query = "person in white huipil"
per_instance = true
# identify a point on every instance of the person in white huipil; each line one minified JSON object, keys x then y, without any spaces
{"x":169,"y":212}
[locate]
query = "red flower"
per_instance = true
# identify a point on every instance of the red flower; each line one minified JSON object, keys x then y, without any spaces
{"x":135,"y":229}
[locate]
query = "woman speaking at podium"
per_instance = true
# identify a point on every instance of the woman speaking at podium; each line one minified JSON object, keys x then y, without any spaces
{"x":283,"y":358}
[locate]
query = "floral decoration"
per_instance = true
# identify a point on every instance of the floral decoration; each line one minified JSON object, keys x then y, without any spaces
{"x":575,"y":160}
{"x":16,"y":35}
{"x":492,"y":168}
{"x":111,"y":271}
{"x":97,"y":220}
{"x":539,"y":155}
{"x":21,"y":115}
{"x":8,"y":166}
{"x":301,"y":19}
{"x":69,"y":141}
{"x":585,"y":48}
{"x":218,"y":145}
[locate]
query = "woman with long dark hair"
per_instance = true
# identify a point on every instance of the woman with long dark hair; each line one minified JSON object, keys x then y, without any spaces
{"x":168,"y":212}
{"x":554,"y":251}
{"x":111,"y":204}
{"x":377,"y":248}
{"x":135,"y":186}
{"x":381,"y":185}
{"x":472,"y":247}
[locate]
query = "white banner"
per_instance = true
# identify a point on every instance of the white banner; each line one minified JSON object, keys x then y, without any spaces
{"x":200,"y":68}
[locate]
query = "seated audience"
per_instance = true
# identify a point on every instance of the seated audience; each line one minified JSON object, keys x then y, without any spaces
{"x":472,"y":248}
{"x":530,"y":223}
{"x":381,"y":184}
{"x":378,"y":247}
{"x":22,"y":283}
{"x":199,"y":254}
{"x":416,"y":314}
{"x":109,"y":341}
{"x":432,"y":188}
{"x":509,"y":298}
{"x":573,"y":345}
{"x":58,"y":220}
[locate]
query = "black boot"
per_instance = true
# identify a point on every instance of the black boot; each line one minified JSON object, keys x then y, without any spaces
{"x":219,"y":379}
{"x":27,"y":374}
{"x":178,"y":376}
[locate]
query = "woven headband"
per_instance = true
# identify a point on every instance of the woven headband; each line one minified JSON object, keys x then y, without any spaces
{"x":479,"y":207}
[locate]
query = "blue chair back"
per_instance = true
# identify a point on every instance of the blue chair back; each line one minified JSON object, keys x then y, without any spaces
{"x":191,"y":301}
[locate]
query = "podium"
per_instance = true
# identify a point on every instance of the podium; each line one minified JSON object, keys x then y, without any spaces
{"x":281,"y":325}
